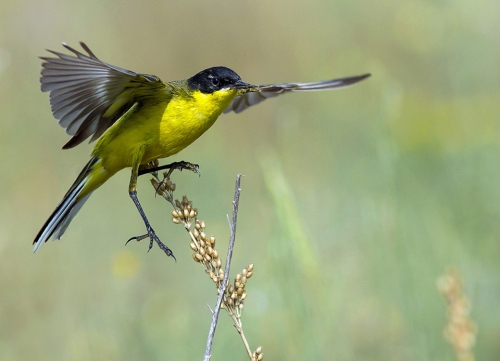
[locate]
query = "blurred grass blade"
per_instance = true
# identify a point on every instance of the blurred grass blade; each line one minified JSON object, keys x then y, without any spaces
{"x":294,"y":237}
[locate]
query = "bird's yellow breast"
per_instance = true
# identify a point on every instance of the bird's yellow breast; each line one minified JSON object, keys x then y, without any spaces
{"x":185,"y":119}
{"x":162,"y":129}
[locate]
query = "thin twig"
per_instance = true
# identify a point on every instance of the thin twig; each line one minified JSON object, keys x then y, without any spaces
{"x":222,"y":290}
{"x":245,"y":342}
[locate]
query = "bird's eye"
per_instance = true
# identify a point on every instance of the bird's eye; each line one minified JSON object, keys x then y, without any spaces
{"x":215,"y":80}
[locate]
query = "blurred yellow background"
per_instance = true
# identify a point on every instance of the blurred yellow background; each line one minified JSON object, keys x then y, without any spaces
{"x":353,"y":203}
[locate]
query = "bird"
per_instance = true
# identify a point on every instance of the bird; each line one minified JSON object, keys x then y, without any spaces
{"x":137,"y":118}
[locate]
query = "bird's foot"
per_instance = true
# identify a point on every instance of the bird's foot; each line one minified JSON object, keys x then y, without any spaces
{"x":184,"y":165}
{"x":154,"y":168}
{"x":153,"y":238}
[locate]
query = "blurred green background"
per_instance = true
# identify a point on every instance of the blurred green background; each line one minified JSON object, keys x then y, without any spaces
{"x":353,"y":204}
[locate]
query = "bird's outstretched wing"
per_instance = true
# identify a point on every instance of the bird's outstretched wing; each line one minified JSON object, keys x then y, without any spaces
{"x":268,"y":91}
{"x":88,"y":95}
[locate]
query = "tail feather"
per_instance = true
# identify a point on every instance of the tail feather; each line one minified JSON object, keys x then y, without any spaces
{"x":71,"y":214}
{"x":66,"y":210}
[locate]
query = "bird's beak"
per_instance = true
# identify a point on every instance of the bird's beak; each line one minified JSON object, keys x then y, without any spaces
{"x":243,"y":87}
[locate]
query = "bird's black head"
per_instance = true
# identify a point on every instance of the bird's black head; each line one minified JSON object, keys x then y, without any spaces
{"x":213,"y":79}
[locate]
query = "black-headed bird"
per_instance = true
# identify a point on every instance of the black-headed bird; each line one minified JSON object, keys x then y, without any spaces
{"x":138,"y":118}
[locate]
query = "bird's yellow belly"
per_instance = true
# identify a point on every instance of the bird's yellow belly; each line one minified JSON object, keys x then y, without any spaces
{"x":158,"y":131}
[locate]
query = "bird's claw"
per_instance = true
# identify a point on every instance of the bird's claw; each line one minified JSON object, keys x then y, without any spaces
{"x":153,"y":237}
{"x":195,"y":168}
{"x":153,"y":168}
{"x":180,"y":166}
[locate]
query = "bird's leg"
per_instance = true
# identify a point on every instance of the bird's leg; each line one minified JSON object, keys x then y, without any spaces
{"x":166,"y":184}
{"x":154,"y":168}
{"x":150,"y":232}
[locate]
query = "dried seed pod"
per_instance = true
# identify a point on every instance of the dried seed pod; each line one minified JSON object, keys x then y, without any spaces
{"x":250,"y":267}
{"x":203,"y":243}
{"x":219,"y":262}
{"x":176,"y":220}
{"x":202,"y":224}
{"x":198,"y":257}
{"x":240,"y":306}
{"x":208,"y":258}
{"x":197,"y":225}
{"x":196,"y":234}
{"x":212,"y":240}
{"x":243,"y":296}
{"x":192,"y":213}
{"x":203,"y":235}
{"x":202,"y":250}
{"x":193,"y":246}
{"x":249,"y":274}
{"x":186,"y":213}
{"x":210,"y":250}
{"x":244,"y":272}
{"x":175,"y":214}
{"x":215,"y":254}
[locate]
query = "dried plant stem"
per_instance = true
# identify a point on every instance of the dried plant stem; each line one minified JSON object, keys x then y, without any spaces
{"x":230,"y":296}
{"x":245,"y":342}
{"x":222,"y":289}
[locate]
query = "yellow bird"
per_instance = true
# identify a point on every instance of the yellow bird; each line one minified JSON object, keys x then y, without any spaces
{"x":137,"y":118}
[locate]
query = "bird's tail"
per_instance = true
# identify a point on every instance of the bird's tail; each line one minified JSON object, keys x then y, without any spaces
{"x":69,"y":206}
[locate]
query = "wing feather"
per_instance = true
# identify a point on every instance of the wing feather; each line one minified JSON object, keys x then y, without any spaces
{"x":272,"y":90}
{"x":83,"y":88}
